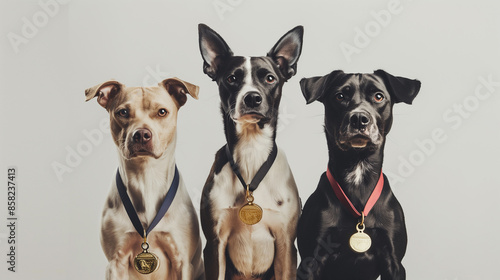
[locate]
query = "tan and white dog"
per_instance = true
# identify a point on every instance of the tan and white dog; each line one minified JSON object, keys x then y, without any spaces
{"x":143,"y":125}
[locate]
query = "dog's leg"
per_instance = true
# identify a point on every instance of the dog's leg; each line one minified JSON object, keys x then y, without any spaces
{"x":390,"y":262}
{"x":215,"y":259}
{"x":394,"y":271}
{"x":315,"y":256}
{"x":211,"y":259}
{"x":221,"y":251}
{"x":285,"y":259}
{"x":197,"y":263}
{"x":118,"y":267}
{"x":178,"y":254}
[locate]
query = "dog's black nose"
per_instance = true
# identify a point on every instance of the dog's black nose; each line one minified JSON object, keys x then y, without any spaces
{"x":360,"y":120}
{"x":253,"y":99}
{"x":142,"y":136}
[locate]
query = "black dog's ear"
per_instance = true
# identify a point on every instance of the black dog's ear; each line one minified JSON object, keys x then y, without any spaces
{"x":287,"y":51}
{"x":314,"y":88}
{"x":213,"y":49}
{"x":402,"y":89}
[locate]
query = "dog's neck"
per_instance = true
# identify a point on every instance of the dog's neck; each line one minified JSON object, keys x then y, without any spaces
{"x":148,"y":180}
{"x":250,"y":144}
{"x":357,"y":172}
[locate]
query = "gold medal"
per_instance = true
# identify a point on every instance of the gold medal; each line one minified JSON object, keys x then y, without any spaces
{"x":146,"y":262}
{"x":250,"y":213}
{"x":360,"y":242}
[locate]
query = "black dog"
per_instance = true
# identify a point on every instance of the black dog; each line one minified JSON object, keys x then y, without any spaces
{"x":250,"y":92}
{"x":358,"y":117}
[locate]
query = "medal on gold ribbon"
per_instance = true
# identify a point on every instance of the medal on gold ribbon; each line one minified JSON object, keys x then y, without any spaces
{"x":359,"y":242}
{"x":146,"y":262}
{"x":251,"y":213}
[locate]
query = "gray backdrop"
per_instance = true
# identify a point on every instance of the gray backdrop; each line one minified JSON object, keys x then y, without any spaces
{"x":441,"y":156}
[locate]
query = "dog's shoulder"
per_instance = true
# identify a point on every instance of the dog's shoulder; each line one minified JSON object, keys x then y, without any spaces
{"x":206,"y":204}
{"x":319,"y":201}
{"x":387,"y":197}
{"x":219,"y":162}
{"x":313,"y":222}
{"x":388,"y":201}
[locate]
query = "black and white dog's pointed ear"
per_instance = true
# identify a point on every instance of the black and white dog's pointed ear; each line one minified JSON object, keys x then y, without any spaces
{"x":402,"y":89}
{"x":213,"y":49}
{"x":287,"y":51}
{"x":314,"y":88}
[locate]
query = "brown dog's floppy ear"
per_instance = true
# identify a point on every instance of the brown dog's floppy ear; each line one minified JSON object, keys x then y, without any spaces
{"x":179,"y":88}
{"x":213,"y":49}
{"x":314,"y":88}
{"x":104,"y":92}
{"x":402,"y":89}
{"x":287,"y":51}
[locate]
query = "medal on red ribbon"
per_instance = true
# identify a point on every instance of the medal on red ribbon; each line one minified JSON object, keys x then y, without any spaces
{"x":360,"y":241}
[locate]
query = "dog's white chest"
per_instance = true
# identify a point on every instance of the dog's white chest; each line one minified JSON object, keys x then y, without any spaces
{"x":252,"y":248}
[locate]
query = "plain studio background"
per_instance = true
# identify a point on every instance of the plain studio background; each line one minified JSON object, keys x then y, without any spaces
{"x":441,"y":155}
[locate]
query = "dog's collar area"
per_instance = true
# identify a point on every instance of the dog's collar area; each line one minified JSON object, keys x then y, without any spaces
{"x":340,"y":194}
{"x":261,"y":173}
{"x":132,"y":214}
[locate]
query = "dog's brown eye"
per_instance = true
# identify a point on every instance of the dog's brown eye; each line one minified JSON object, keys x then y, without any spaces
{"x":231,"y":79}
{"x":339,"y":96}
{"x":162,"y":112}
{"x":123,"y":113}
{"x":378,"y":97}
{"x":270,"y":79}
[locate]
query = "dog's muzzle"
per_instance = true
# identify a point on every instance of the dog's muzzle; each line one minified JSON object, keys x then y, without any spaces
{"x":141,"y":143}
{"x":252,"y":99}
{"x":359,"y":130}
{"x":252,"y":108}
{"x":359,"y":121}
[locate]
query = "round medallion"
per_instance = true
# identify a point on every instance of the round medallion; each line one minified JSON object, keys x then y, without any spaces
{"x":250,"y":213}
{"x":360,"y":242}
{"x":146,"y":263}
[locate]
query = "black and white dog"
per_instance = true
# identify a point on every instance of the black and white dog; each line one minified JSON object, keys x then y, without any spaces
{"x":250,"y":92}
{"x":358,"y":117}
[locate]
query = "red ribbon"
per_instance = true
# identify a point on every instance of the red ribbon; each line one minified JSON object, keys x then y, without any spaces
{"x":345,"y":200}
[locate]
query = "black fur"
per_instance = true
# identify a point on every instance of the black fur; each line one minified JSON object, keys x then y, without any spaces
{"x":325,"y":225}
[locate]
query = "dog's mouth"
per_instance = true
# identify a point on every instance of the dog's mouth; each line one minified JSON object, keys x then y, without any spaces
{"x":358,"y":141}
{"x":251,"y":117}
{"x":142,"y":153}
{"x":137,"y":151}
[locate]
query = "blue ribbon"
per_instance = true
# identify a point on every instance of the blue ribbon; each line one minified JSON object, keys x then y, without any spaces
{"x":129,"y":207}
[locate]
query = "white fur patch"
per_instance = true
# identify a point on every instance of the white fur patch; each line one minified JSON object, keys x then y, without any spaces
{"x":252,"y":150}
{"x":356,"y":175}
{"x":252,"y":249}
{"x":247,"y":86}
